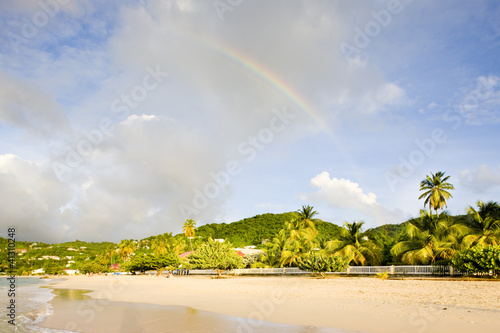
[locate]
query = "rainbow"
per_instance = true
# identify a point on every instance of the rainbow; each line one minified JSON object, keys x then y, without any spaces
{"x":271,"y":78}
{"x":246,"y":62}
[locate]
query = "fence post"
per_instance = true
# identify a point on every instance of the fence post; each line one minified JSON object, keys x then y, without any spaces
{"x":452,"y":271}
{"x":349,"y":270}
{"x":392,"y":270}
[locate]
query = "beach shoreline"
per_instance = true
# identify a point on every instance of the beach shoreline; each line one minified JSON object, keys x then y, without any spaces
{"x":354,"y":304}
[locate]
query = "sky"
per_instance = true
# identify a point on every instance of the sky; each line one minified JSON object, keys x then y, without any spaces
{"x":122,"y":119}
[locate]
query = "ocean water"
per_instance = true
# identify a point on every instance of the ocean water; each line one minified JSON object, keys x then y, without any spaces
{"x":32,"y":304}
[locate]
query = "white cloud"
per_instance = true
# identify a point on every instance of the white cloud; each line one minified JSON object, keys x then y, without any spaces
{"x":135,"y":118}
{"x":480,"y":106}
{"x":30,"y":198}
{"x":225,"y":79}
{"x":345,"y":194}
{"x":370,"y":100}
{"x":28,"y":107}
{"x":482,"y":179}
{"x":342,"y":192}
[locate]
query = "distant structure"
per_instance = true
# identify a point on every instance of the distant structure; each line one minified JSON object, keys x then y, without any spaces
{"x":38,"y":271}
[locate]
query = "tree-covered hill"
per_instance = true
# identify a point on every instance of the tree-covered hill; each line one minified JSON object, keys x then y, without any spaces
{"x":255,"y":230}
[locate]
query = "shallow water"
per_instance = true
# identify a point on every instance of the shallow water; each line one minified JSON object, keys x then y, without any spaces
{"x":32,"y":304}
{"x":80,"y":313}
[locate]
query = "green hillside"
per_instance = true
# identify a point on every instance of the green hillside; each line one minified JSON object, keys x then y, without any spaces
{"x":254,"y":230}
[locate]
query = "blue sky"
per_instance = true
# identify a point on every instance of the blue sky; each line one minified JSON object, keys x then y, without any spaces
{"x":122,"y":119}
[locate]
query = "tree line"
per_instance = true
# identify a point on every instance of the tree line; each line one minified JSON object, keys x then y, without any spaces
{"x":301,"y":239}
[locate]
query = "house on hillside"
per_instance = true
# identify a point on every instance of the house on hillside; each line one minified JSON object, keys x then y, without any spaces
{"x":38,"y":271}
{"x":20,"y":252}
{"x":115,"y":267}
{"x":185,"y":254}
{"x":71,"y":271}
{"x":220,"y":240}
{"x":247,"y":251}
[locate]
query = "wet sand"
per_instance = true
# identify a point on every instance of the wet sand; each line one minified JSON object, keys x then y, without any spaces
{"x":340,"y":303}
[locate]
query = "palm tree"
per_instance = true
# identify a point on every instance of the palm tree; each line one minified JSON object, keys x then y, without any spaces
{"x":431,"y":240}
{"x":274,"y":249}
{"x":306,"y":215}
{"x":188,"y":229}
{"x":160,"y":244}
{"x":490,"y":208}
{"x":127,"y":247}
{"x":109,"y":254}
{"x":355,"y":244}
{"x":178,"y":245}
{"x":486,"y":226}
{"x":436,"y":191}
{"x":299,"y":238}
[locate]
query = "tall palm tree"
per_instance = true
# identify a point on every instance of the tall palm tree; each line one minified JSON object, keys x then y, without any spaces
{"x":109,"y":254}
{"x":436,"y":191}
{"x":188,"y":229}
{"x":486,"y":226}
{"x":355,"y":244}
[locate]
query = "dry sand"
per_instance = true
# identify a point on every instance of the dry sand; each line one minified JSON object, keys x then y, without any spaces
{"x":347,"y":303}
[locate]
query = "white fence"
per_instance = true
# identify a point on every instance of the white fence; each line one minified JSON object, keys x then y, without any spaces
{"x":359,"y":270}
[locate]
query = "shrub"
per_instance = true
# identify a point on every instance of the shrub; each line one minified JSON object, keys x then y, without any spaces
{"x":258,"y":265}
{"x":147,"y":262}
{"x":215,"y":255}
{"x":321,"y":263}
{"x":92,"y":267}
{"x":478,"y":259}
{"x":251,"y":259}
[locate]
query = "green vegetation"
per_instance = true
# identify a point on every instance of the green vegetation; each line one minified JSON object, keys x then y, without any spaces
{"x":291,"y":239}
{"x":321,"y":263}
{"x":91,"y":267}
{"x":249,"y":231}
{"x":436,"y":191}
{"x":480,"y":259}
{"x":215,"y":255}
{"x":383,"y":276}
{"x":188,"y":229}
{"x":355,"y":245}
{"x":148,"y":262}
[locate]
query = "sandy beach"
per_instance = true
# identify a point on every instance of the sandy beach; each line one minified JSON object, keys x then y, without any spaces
{"x":345,"y":303}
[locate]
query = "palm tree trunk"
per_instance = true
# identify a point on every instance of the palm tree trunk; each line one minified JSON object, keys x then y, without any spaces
{"x":191,"y":243}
